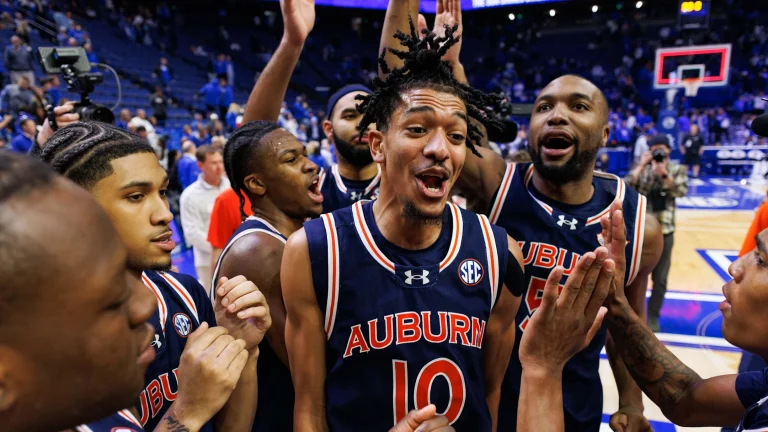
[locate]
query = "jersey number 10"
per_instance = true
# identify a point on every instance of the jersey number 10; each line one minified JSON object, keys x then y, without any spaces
{"x":423,"y":387}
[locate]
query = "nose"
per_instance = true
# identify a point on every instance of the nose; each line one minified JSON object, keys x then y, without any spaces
{"x":309,"y":166}
{"x":143,"y":304}
{"x":736,"y":269}
{"x":161,"y":213}
{"x":558,"y":116}
{"x":437,"y":146}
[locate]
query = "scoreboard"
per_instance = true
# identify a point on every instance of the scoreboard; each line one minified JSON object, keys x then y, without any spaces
{"x":693,"y":14}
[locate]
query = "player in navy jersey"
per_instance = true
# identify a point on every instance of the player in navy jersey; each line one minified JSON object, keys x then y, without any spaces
{"x":355,"y":177}
{"x":268,"y":165}
{"x":74,"y":336}
{"x":553,"y":206}
{"x":402,"y":301}
{"x":196,"y":365}
{"x":683,"y":396}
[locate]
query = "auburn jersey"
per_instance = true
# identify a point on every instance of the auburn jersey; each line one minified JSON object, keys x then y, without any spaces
{"x":339,"y":192}
{"x":275,"y":410}
{"x":405,"y":328}
{"x":551,"y":234}
{"x":122,"y":421}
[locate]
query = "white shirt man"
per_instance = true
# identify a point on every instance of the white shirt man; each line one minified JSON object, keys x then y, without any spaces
{"x":196,"y":206}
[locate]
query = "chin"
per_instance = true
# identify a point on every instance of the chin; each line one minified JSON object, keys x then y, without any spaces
{"x":161,"y":263}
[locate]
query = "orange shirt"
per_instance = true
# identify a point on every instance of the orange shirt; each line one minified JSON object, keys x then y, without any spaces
{"x":758,"y":224}
{"x":226,"y":218}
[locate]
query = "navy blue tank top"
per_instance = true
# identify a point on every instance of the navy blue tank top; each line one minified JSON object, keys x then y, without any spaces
{"x":405,"y":328}
{"x":552,"y":233}
{"x":122,"y":421}
{"x":339,"y":192}
{"x":275,"y":410}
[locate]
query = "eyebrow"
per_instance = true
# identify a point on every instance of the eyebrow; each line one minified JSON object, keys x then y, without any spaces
{"x":429,"y":109}
{"x":143,"y":183}
{"x":570,"y":96}
{"x":349,"y":111}
{"x":286,"y":151}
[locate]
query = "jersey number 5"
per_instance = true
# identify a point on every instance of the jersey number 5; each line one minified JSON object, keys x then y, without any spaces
{"x":423,"y":387}
{"x":533,"y":297}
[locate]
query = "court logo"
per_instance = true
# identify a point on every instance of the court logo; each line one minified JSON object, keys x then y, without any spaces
{"x":182,"y":324}
{"x":668,"y":122}
{"x":471,"y":272}
{"x":423,"y":277}
{"x":571,"y":223}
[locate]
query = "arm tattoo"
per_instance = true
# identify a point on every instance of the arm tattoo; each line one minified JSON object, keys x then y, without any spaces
{"x":175,"y":425}
{"x":661,"y":375}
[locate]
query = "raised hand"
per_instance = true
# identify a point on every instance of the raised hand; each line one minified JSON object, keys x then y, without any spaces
{"x":449,"y":13}
{"x":614,"y":234}
{"x":243,"y":310}
{"x":209,"y":369}
{"x":298,"y":20}
{"x":630,"y":420}
{"x":423,"y":420}
{"x":564,"y":325}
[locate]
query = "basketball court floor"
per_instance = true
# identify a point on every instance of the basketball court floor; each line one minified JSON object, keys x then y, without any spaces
{"x":711,"y":224}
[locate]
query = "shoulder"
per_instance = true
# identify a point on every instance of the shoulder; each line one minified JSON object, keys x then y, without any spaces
{"x":257,"y":245}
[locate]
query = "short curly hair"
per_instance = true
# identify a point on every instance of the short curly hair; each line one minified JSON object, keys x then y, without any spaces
{"x":423,"y":68}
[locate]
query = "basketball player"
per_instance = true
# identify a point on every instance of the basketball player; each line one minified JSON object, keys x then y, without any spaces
{"x":355,"y":177}
{"x":555,"y":205}
{"x":683,"y":396}
{"x":405,"y":295}
{"x":197,"y":365}
{"x":74,"y":337}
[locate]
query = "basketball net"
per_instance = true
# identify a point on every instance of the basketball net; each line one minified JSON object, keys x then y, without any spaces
{"x":691,"y":86}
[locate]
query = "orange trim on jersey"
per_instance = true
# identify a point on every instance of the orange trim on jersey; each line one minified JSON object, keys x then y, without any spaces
{"x":333,"y":276}
{"x":491,"y":245}
{"x":322,"y":176}
{"x":375,"y":181}
{"x":458,"y":228}
{"x":501,"y":196}
{"x":368,"y":240}
{"x":639,"y":234}
{"x":161,"y":306}
{"x":129,"y":416}
{"x":339,"y":184}
{"x":620,"y":191}
{"x":528,"y":176}
{"x":185,"y":296}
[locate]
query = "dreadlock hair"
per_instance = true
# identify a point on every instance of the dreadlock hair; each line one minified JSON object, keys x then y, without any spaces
{"x":83,"y":151}
{"x":239,"y":154}
{"x":423,"y":68}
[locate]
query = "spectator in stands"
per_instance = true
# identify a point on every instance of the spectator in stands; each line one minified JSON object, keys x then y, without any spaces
{"x":601,"y":164}
{"x":23,"y":141}
{"x":51,"y":93}
{"x":17,"y":97}
{"x":62,"y":36}
{"x":163,"y":73}
{"x":692,"y":147}
{"x":196,"y":206}
{"x":72,"y":42}
{"x":187,"y":165}
{"x":289,"y":123}
{"x":642,"y":118}
{"x":230,"y":70}
{"x":225,"y":219}
{"x":217,"y":129}
{"x":92,"y":57}
{"x":220,"y":65}
{"x":22,"y":28}
{"x":18,"y":59}
{"x":723,"y":123}
{"x":313,"y":152}
{"x":232,"y":114}
{"x":219,"y":142}
{"x":159,"y":103}
{"x":142,"y":132}
{"x":314,"y":129}
{"x":217,"y":96}
{"x":201,"y":136}
{"x":124,"y":118}
{"x":301,"y":135}
{"x":61,"y":19}
{"x":78,"y":33}
{"x":661,"y":181}
{"x":186,"y":133}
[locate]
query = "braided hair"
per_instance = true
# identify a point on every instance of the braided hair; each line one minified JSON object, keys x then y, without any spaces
{"x":423,"y":68}
{"x":239,"y":154}
{"x":83,"y":151}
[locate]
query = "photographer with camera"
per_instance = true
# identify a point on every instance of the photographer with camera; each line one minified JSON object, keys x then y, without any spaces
{"x":661,"y":181}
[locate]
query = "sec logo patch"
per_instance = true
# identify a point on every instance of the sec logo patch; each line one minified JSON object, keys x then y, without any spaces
{"x":182,"y":324}
{"x":471,"y":272}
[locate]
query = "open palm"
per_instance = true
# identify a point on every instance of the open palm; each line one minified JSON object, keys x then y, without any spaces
{"x":298,"y":19}
{"x":449,"y":13}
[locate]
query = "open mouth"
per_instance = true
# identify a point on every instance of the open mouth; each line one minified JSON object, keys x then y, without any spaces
{"x":557,"y":144}
{"x":314,"y":190}
{"x":433,"y":184}
{"x":165,"y":242}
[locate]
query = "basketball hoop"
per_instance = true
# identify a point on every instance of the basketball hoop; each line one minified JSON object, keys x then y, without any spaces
{"x":691,"y":86}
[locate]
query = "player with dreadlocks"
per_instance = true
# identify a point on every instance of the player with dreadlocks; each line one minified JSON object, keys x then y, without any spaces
{"x":384,"y":297}
{"x":202,"y":362}
{"x":355,"y":177}
{"x":266,"y":164}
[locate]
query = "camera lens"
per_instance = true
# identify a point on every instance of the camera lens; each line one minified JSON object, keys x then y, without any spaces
{"x":96,"y":113}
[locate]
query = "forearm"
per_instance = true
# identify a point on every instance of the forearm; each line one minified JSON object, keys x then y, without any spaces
{"x":458,"y":73}
{"x":630,"y":394}
{"x":398,"y":13}
{"x":239,"y":411}
{"x":540,"y":407}
{"x":661,"y":375}
{"x":267,"y":95}
{"x":179,"y":418}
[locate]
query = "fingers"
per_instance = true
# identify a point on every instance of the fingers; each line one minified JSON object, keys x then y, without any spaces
{"x":230,"y":352}
{"x":573,"y":283}
{"x":237,"y":365}
{"x":258,"y":313}
{"x":440,"y":7}
{"x":551,"y":291}
{"x":218,"y":346}
{"x":596,"y":324}
{"x":455,"y":10}
{"x":590,"y":280}
{"x":63,"y":109}
{"x":226,"y":285}
{"x":439,"y":423}
{"x":414,"y":418}
{"x":618,"y":422}
{"x":202,"y":328}
{"x":421,"y":25}
{"x":204,"y":340}
{"x":600,"y":293}
{"x":235,"y":291}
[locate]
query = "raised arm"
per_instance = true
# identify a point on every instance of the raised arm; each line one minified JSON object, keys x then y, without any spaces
{"x":480,"y":178}
{"x":304,"y":336}
{"x":500,"y":333}
{"x":267,"y":95}
{"x":398,"y":13}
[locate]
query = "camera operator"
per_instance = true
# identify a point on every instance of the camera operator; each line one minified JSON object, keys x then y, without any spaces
{"x":661,"y":181}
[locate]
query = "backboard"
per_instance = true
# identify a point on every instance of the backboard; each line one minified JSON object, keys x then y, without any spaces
{"x":708,"y":63}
